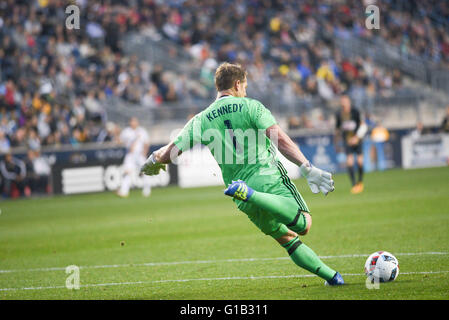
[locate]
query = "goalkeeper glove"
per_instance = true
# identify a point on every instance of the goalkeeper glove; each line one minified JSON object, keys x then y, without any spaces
{"x":151,"y":167}
{"x":317,"y":179}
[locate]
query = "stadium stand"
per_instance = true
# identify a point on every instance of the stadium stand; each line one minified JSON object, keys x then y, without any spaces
{"x":156,"y":60}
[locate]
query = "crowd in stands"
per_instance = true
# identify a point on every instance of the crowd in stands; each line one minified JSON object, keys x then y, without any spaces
{"x":294,"y":41}
{"x":418,"y":28}
{"x":55,"y":82}
{"x":53,"y":79}
{"x":25,"y":177}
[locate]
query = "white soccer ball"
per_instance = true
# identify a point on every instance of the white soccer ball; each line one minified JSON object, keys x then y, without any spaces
{"x":382,"y":266}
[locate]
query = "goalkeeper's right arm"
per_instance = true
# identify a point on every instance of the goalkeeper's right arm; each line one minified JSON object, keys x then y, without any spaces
{"x":167,"y":153}
{"x":160,"y":158}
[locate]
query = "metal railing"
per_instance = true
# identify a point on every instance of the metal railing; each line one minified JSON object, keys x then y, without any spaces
{"x":161,"y":51}
{"x":392,"y":57}
{"x":173,"y":57}
{"x":120,"y":111}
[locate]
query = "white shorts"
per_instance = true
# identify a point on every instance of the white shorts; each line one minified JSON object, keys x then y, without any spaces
{"x":133,"y":162}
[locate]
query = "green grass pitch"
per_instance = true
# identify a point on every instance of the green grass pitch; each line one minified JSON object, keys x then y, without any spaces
{"x":194,"y":243}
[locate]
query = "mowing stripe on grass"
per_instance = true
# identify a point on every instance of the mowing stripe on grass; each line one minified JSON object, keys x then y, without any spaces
{"x":152,"y":264}
{"x":203,"y":279}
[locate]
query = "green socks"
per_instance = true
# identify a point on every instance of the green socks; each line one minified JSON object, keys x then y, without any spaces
{"x":304,"y":257}
{"x":286,"y":211}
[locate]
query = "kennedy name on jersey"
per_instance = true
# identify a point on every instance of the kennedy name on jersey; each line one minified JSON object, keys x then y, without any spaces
{"x":230,"y":108}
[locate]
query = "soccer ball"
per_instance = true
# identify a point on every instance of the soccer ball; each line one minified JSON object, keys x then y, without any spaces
{"x":382,"y":266}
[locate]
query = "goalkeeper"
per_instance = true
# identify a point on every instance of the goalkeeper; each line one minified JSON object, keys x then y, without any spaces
{"x":257,"y":181}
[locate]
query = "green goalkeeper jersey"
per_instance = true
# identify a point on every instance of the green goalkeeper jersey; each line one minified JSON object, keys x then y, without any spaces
{"x":234,"y":131}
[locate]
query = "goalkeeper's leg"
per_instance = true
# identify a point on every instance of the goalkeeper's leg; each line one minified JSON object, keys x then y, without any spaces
{"x":305,"y":257}
{"x":300,"y":253}
{"x":277,"y":216}
{"x":285,"y":209}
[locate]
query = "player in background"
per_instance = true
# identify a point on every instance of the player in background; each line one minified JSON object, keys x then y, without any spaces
{"x":137,"y":143}
{"x":259,"y":185}
{"x":351,"y":128}
{"x":444,"y":128}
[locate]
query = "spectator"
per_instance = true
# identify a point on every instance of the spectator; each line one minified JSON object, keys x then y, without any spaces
{"x":445,"y":124}
{"x":288,"y":48}
{"x":13,"y":172}
{"x":294,"y":123}
{"x":418,"y":131}
{"x":380,"y":135}
{"x":38,"y":172}
{"x":5,"y":146}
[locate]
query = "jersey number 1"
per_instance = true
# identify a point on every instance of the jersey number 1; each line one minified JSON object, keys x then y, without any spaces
{"x":231,"y":132}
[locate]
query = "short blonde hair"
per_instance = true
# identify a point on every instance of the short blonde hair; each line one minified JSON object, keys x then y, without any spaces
{"x":227,"y":73}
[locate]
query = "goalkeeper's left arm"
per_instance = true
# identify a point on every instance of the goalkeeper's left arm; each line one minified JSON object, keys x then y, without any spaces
{"x":317,"y":179}
{"x":159,"y":159}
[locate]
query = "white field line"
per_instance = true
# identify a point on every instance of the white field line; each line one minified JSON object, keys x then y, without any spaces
{"x":152,"y":264}
{"x":202,"y":279}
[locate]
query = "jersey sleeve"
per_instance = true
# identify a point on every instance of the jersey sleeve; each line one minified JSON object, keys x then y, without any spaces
{"x":261,"y":116}
{"x":190,"y":135}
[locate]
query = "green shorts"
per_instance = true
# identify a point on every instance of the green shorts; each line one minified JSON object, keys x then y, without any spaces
{"x":278,"y":184}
